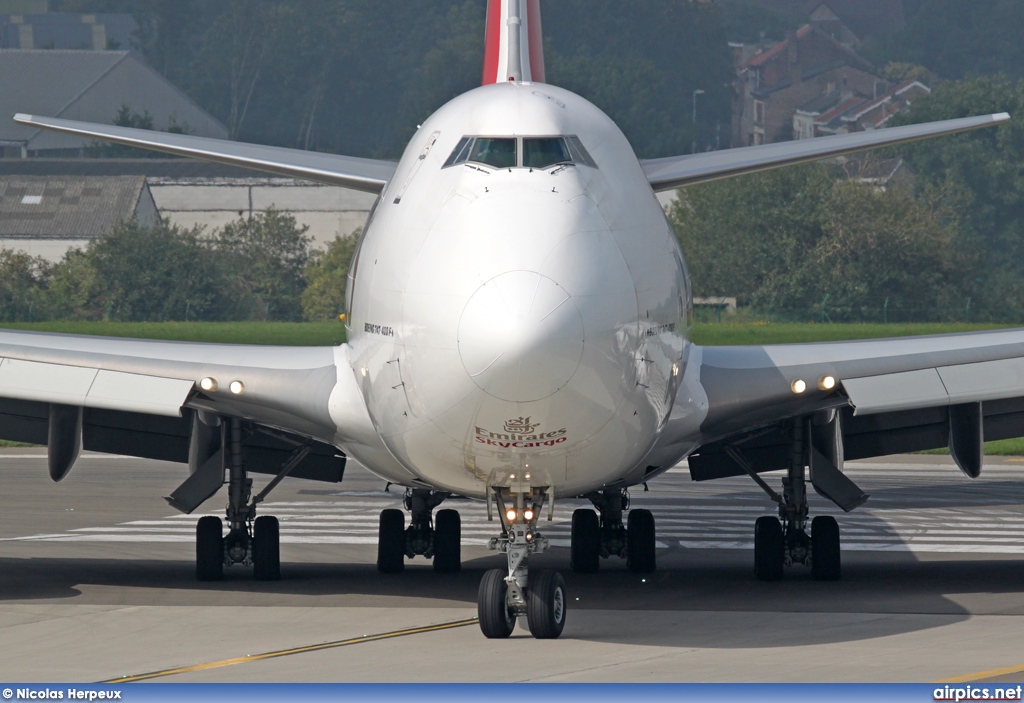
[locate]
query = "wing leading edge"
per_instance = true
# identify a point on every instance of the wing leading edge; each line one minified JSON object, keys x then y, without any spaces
{"x":675,"y":171}
{"x":368,"y":175}
{"x":890,"y":396}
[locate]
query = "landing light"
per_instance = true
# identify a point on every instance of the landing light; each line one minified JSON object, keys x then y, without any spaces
{"x":528,"y":515}
{"x":237,"y":387}
{"x":364,"y":371}
{"x":208,"y":384}
{"x":827,"y":383}
{"x":675,"y":369}
{"x":799,"y":386}
{"x":511,"y":515}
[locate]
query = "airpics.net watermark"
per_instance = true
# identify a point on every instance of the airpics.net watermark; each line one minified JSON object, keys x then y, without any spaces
{"x":978,"y":693}
{"x":59,"y":694}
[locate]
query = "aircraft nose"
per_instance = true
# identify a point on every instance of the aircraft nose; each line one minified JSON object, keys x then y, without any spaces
{"x":521,"y":336}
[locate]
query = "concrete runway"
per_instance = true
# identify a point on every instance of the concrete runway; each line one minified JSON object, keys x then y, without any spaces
{"x":96,"y":582}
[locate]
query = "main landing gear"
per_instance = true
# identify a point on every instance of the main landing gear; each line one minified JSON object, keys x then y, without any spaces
{"x":251,"y":541}
{"x":602,"y":534}
{"x":434,"y":537}
{"x":783,"y":541}
{"x":505,"y":595}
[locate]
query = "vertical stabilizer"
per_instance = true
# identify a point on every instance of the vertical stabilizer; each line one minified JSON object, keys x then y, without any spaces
{"x":515,"y":44}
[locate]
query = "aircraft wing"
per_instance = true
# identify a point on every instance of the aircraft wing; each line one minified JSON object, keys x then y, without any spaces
{"x":145,"y":398}
{"x":369,"y":175}
{"x":889,"y":396}
{"x":675,"y":171}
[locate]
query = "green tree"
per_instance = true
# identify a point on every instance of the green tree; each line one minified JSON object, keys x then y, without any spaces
{"x":326,"y":275}
{"x":957,"y":38}
{"x":987,"y":167}
{"x":789,"y":237}
{"x":266,"y":256}
{"x":22,"y":285}
{"x":151,"y":273}
{"x":882,"y":245}
{"x":75,"y":289}
{"x":742,"y":236}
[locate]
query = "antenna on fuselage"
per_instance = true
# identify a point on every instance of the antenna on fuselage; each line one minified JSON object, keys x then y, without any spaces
{"x":515,"y":28}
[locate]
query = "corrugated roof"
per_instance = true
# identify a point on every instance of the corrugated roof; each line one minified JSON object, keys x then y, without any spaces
{"x":42,"y":82}
{"x":157,"y":168}
{"x":66,"y":207}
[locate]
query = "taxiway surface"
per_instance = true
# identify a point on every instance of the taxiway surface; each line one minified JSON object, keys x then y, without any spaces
{"x":96,"y":583}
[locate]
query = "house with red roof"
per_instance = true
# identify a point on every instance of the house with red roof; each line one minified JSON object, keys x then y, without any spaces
{"x":841,"y":113}
{"x":773,"y":81}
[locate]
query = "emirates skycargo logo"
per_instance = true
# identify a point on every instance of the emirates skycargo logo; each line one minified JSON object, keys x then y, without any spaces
{"x":520,"y":433}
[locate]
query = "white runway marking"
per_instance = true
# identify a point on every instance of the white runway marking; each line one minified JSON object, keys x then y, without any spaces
{"x":914,"y":507}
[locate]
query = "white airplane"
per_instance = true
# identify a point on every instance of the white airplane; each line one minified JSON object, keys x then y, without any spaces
{"x":518,"y":325}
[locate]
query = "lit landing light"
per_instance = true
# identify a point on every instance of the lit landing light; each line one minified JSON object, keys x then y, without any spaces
{"x":528,"y":515}
{"x":364,"y":371}
{"x":236,"y":387}
{"x":826,"y":383}
{"x":675,"y":370}
{"x":799,"y":386}
{"x":511,"y":515}
{"x":208,"y":384}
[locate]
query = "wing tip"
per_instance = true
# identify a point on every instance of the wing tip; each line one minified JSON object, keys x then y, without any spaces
{"x":1001,"y":117}
{"x":23,"y":118}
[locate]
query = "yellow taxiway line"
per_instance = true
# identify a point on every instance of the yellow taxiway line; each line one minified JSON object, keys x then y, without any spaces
{"x":979,"y":675}
{"x":295,"y":650}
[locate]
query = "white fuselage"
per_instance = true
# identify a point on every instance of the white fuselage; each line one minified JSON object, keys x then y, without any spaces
{"x":508,"y":316}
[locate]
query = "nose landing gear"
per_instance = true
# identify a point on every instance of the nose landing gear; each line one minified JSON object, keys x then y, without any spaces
{"x":519,"y":497}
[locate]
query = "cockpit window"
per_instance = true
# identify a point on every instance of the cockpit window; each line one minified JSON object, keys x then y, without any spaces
{"x":499,"y":152}
{"x":544,"y":152}
{"x":538,"y":152}
{"x":460,"y":153}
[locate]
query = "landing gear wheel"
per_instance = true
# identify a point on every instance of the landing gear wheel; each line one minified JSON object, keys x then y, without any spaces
{"x":640,"y":542}
{"x":447,"y":542}
{"x":266,"y":548}
{"x":210,"y":549}
{"x":545,"y":604}
{"x":825,"y":561}
{"x":391,"y":542}
{"x":585,"y":543}
{"x":496,"y":621}
{"x":769,"y":549}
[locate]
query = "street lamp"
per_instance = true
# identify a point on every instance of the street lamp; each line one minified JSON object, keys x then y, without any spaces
{"x":697,"y":92}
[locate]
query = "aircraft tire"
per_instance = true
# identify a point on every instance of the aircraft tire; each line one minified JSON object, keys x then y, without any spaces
{"x":391,"y":542}
{"x":826,"y":564}
{"x":769,"y":549}
{"x":209,"y":549}
{"x":585,"y":542}
{"x":447,"y":542}
{"x":641,"y":544}
{"x":266,"y":548}
{"x":496,"y":621}
{"x":546,"y":604}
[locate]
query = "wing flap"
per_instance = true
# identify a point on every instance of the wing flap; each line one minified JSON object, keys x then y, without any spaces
{"x":150,"y":395}
{"x":92,"y":388}
{"x":990,"y":380}
{"x":675,"y":171}
{"x":909,"y":390}
{"x":369,"y":175}
{"x":946,"y":385}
